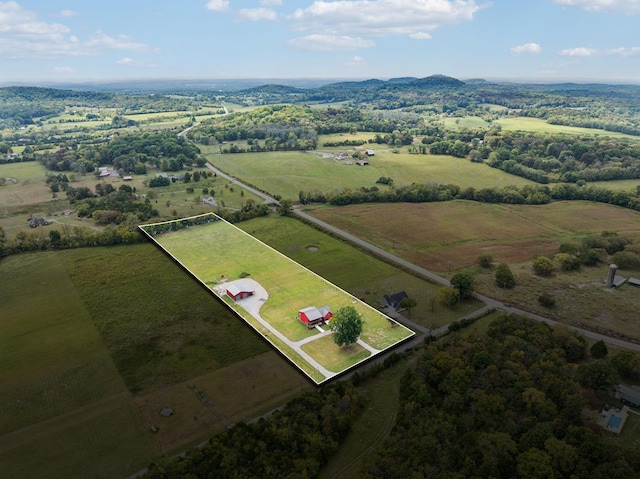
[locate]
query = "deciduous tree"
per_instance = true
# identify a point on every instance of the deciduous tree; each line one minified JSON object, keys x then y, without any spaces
{"x":346,"y":325}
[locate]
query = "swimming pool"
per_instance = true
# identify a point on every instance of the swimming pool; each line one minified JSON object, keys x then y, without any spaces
{"x":614,"y":421}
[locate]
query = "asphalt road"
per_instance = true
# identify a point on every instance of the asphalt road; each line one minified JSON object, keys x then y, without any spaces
{"x":490,"y":303}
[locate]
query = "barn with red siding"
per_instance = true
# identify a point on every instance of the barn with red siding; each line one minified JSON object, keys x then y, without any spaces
{"x":238,"y":291}
{"x":312,"y":316}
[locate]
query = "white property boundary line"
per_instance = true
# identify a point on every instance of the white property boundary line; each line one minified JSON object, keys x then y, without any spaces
{"x":238,"y":313}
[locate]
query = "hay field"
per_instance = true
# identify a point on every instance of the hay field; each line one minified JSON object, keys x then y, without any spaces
{"x":218,"y":252}
{"x":436,"y":234}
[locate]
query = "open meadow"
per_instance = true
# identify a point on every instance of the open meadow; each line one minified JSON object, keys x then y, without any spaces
{"x":448,"y":236}
{"x":218,"y":252}
{"x":288,"y":173}
{"x":538,"y":125}
{"x":95,"y":342}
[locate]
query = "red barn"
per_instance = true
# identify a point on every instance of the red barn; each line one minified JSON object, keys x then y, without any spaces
{"x":238,"y":291}
{"x":312,"y":315}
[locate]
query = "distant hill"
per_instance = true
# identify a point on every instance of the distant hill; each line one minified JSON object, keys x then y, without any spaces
{"x":275,"y":89}
{"x":437,"y":81}
{"x":402,"y":80}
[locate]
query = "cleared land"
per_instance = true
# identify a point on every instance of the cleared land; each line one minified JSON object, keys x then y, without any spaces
{"x":353,"y":270}
{"x":217,"y":252}
{"x":541,"y":126}
{"x":288,"y":173}
{"x":435,"y":235}
{"x":89,"y":355}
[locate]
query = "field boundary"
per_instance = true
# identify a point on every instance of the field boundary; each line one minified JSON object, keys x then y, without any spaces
{"x":290,"y":350}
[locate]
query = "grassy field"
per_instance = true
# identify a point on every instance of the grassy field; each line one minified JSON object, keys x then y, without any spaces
{"x":29,"y":188}
{"x":471,"y":122}
{"x":218,"y":252}
{"x":61,"y":392}
{"x":351,"y":269}
{"x":287,"y":173}
{"x":436,"y":235}
{"x":541,"y":126}
{"x":444,"y":236}
{"x":95,"y":342}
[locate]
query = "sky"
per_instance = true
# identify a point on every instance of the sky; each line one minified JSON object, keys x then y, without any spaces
{"x":519,"y":40}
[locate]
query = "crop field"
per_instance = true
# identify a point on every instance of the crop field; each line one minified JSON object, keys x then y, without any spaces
{"x":287,"y":173}
{"x":218,"y":252}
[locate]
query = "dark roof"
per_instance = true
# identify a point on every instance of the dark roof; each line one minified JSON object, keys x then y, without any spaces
{"x":393,"y":300}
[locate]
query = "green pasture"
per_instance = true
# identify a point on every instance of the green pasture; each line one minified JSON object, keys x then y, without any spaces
{"x":471,"y":122}
{"x":541,"y":126}
{"x":62,"y":395}
{"x":160,"y":326}
{"x":353,"y":270}
{"x":29,"y":189}
{"x":494,"y":107}
{"x":219,"y":250}
{"x":287,"y":173}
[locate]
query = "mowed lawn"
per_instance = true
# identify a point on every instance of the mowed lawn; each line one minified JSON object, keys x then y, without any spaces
{"x":446,"y":236}
{"x":218,"y":251}
{"x":288,"y":173}
{"x":61,"y":394}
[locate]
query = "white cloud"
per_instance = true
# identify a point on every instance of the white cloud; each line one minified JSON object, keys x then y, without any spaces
{"x":256,"y":14}
{"x":355,"y":62}
{"x":136,"y":63}
{"x":270,"y":3}
{"x":330,"y":42}
{"x":217,"y":5}
{"x":63,"y":70}
{"x":579,"y":52}
{"x":630,"y":7}
{"x":420,"y":36}
{"x":23,"y":35}
{"x":625,"y":52}
{"x":526,"y":49}
{"x":69,"y":13}
{"x":381,"y":17}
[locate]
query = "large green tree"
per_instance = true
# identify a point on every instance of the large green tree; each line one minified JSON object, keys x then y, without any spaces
{"x":463,"y":282}
{"x":347,"y":326}
{"x":504,"y":276}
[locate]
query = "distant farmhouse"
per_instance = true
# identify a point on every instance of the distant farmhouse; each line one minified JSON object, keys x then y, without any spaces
{"x":313,"y":316}
{"x":238,"y":291}
{"x":370,"y":152}
{"x":393,"y":300}
{"x":362,"y":162}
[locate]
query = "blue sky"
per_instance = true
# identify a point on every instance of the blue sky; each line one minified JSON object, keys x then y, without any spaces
{"x":540,"y":40}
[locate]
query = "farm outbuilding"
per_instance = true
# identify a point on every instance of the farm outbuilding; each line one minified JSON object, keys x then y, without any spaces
{"x":312,"y":316}
{"x":238,"y":291}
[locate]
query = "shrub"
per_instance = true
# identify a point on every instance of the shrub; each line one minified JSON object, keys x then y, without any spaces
{"x":547,"y":300}
{"x":543,"y":266}
{"x":448,"y":296}
{"x":485,"y":260}
{"x":568,"y":262}
{"x":599,"y":350}
{"x":504,"y":277}
{"x":626,"y":260}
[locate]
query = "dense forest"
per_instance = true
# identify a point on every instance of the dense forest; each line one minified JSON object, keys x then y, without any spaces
{"x":507,"y":405}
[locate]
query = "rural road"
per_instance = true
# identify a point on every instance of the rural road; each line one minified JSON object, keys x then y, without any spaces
{"x":490,"y":303}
